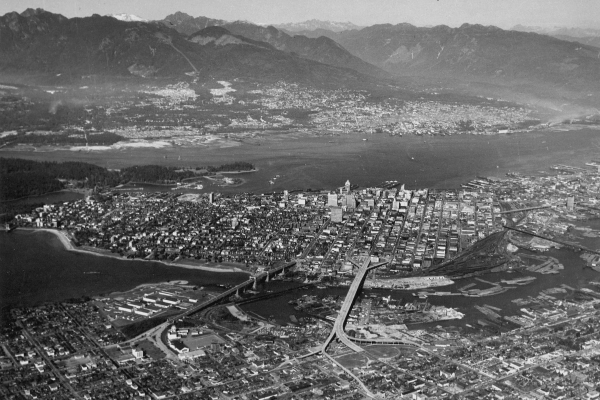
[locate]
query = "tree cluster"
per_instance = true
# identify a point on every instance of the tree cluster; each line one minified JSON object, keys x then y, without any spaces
{"x":21,"y":178}
{"x":154,"y":174}
{"x":235,"y":166}
{"x":66,"y":138}
{"x":27,"y":183}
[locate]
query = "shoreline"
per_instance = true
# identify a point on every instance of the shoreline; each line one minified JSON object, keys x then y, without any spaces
{"x":68,"y":245}
{"x":237,"y":172}
{"x":261,"y":135}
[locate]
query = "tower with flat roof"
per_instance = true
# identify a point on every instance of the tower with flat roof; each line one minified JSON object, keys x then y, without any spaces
{"x":332,"y":200}
{"x":336,"y":214}
{"x":570,"y":203}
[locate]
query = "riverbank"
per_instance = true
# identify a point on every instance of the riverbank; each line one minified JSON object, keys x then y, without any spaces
{"x":68,"y":245}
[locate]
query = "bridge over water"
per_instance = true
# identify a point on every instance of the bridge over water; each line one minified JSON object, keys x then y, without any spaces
{"x":250,"y":282}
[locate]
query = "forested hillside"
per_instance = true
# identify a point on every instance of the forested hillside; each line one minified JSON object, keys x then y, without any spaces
{"x":20,"y":178}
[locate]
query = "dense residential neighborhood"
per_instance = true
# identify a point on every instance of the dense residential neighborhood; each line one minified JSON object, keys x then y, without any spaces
{"x":420,"y":239}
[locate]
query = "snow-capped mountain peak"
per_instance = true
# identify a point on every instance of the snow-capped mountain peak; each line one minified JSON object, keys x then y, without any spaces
{"x":127,"y":17}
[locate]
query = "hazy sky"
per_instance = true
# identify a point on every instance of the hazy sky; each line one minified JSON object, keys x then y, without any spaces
{"x":502,"y":13}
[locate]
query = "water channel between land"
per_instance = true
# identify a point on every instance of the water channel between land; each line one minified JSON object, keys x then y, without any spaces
{"x":36,"y":268}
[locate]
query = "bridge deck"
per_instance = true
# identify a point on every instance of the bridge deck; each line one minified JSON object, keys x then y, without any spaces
{"x":234,"y":289}
{"x":340,"y":322}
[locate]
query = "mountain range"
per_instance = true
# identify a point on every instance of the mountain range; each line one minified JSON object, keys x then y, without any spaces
{"x":472,"y":51}
{"x":588,"y":36}
{"x":127,"y":17}
{"x":539,"y":64}
{"x":37,"y":41}
{"x":314,"y":24}
{"x":474,"y":56}
{"x":321,"y":49}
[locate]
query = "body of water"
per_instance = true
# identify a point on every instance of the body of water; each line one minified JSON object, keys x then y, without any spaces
{"x":35,"y":268}
{"x":575,"y":275}
{"x":327,"y":162}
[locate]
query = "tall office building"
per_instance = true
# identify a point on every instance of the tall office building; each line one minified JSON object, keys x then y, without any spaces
{"x":350,"y":202}
{"x":347,"y":186}
{"x":570,"y":203}
{"x":332,"y":200}
{"x":336,"y":214}
{"x":211,"y":197}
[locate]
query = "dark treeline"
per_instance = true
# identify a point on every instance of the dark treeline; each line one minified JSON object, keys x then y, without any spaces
{"x":27,"y":183}
{"x":77,"y":138}
{"x":70,"y":170}
{"x":236,"y":166}
{"x":154,"y":174}
{"x":21,"y":178}
{"x":9,"y":209}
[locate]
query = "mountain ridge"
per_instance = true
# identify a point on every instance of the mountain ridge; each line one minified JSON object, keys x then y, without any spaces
{"x":127,"y":17}
{"x":37,"y":41}
{"x":323,"y":50}
{"x":477,"y":53}
{"x":587,"y":36}
{"x":313,"y":24}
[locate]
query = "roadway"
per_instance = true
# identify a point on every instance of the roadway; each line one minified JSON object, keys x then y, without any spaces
{"x":524,"y":209}
{"x":386,"y":341}
{"x":48,"y":361}
{"x":234,"y":289}
{"x":340,"y":321}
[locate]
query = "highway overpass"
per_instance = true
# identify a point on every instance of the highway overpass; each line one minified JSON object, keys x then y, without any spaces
{"x":340,"y":322}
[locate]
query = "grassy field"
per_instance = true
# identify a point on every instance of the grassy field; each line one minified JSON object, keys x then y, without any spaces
{"x":354,"y":360}
{"x":387,"y":351}
{"x":197,"y":342}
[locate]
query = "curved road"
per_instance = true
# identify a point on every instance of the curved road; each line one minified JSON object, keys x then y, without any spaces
{"x":340,"y":322}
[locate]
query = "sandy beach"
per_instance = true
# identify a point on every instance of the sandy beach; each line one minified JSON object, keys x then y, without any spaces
{"x":66,"y":242}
